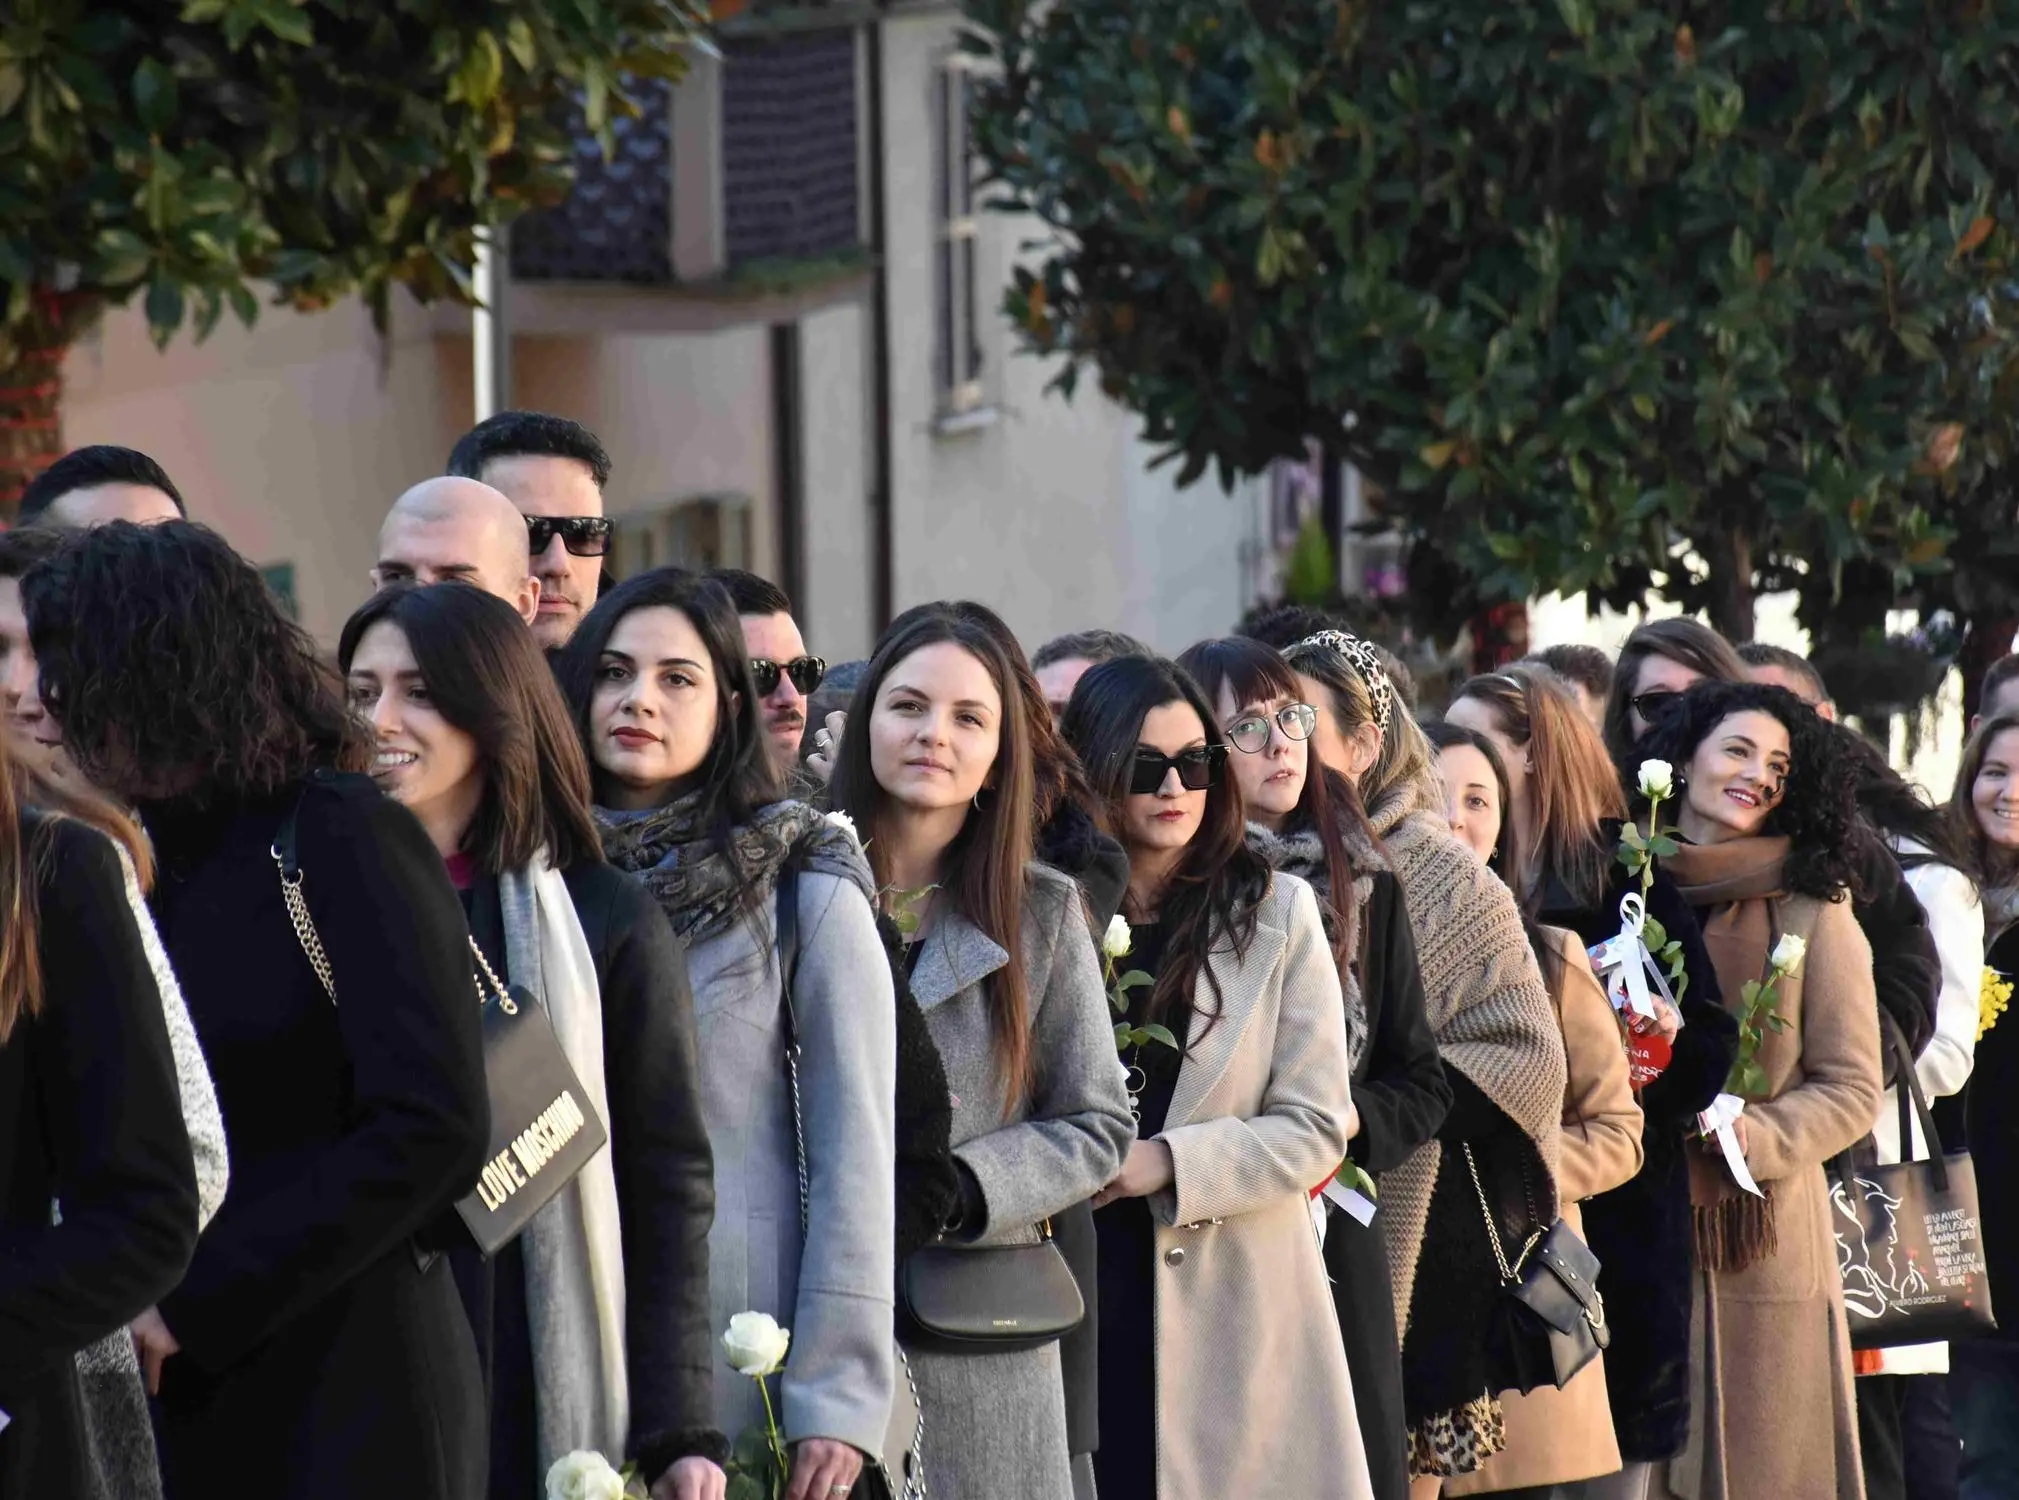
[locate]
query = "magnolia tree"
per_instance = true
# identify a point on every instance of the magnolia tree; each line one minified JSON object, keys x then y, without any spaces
{"x":204,"y":154}
{"x":1601,"y":302}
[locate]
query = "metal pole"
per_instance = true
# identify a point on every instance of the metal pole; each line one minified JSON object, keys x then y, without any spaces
{"x":490,"y":334}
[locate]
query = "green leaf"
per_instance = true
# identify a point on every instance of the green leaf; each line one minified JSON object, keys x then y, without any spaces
{"x":1123,"y":1037}
{"x":1158,"y":1033}
{"x":286,"y":20}
{"x":1653,"y":934}
{"x":243,"y":303}
{"x":164,"y":309}
{"x":519,"y":41}
{"x":155,"y":99}
{"x":1661,"y":846}
{"x":1135,"y":979}
{"x":119,"y":258}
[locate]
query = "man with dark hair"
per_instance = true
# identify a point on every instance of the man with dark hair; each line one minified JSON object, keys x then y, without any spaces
{"x":31,"y":733}
{"x":1060,"y":663}
{"x":1779,"y":667}
{"x":554,"y":470}
{"x":90,"y":486}
{"x":786,"y":675}
{"x":1587,"y":669}
{"x":2000,"y":693}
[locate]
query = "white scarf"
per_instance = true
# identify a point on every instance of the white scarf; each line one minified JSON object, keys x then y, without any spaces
{"x":574,"y":1247}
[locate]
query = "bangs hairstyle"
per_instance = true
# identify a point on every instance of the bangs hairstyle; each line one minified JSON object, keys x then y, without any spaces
{"x":1572,"y":786}
{"x":1682,"y":641}
{"x":1250,"y":672}
{"x":738,"y":777}
{"x":1818,"y":810}
{"x":174,"y":673}
{"x":486,"y":675}
{"x":985,"y":869}
{"x":1442,"y":735}
{"x":1994,"y":866}
{"x":1213,"y":894}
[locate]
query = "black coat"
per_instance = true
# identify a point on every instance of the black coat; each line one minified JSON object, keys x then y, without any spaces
{"x":317,"y":1353}
{"x":1991,"y":1110}
{"x":90,"y":1115}
{"x":1640,"y":1231}
{"x":1402,"y":1095}
{"x":1906,"y":969}
{"x":665,"y":1175}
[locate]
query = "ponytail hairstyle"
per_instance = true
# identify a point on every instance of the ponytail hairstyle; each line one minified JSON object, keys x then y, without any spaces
{"x":986,"y":864}
{"x":1214,"y":895}
{"x":1362,"y":691}
{"x":1328,"y":806}
{"x":1572,"y":786}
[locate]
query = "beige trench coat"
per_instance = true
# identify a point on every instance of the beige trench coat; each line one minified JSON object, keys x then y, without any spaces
{"x":1253,"y":1397}
{"x":1554,"y":1437}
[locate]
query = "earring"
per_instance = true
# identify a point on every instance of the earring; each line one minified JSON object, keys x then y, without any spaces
{"x":977,"y":798}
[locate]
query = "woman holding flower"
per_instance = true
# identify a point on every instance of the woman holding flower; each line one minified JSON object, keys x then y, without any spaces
{"x":687,"y":802}
{"x":1306,"y":820}
{"x":936,"y":771}
{"x":1221,"y":1371}
{"x":1984,"y":1373}
{"x":1567,"y":801}
{"x":1763,"y":815}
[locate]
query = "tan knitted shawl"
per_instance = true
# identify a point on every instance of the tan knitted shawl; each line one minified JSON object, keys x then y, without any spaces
{"x":1488,"y":1009}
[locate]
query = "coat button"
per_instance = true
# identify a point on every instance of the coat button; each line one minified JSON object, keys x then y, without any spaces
{"x":1174,"y":1256}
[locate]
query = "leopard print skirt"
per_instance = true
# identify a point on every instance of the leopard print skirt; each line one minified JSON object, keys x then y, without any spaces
{"x":1458,"y":1441}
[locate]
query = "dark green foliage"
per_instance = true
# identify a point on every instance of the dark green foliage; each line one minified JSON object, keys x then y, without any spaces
{"x":1607,"y":296}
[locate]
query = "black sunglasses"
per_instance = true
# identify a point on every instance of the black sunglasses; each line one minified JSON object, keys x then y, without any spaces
{"x":806,"y":674}
{"x":1197,"y":769}
{"x":584,"y":536}
{"x":1648,"y":704}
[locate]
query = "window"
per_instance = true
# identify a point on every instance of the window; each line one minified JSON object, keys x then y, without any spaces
{"x":708,"y":531}
{"x":959,"y":354}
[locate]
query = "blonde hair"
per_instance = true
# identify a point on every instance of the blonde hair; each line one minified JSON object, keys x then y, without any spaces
{"x":1363,"y":697}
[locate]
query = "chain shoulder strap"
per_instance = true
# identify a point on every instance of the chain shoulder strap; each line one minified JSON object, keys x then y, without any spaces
{"x":1509,"y":1274}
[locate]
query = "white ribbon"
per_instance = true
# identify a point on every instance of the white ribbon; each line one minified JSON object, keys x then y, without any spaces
{"x":1623,"y":962}
{"x":1718,"y":1120}
{"x":1350,"y":1200}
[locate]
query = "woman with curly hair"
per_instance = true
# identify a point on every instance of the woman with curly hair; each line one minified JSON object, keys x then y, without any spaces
{"x":310,"y":1343}
{"x":1503,"y":1057}
{"x":1305,"y":819}
{"x":1764,"y":811}
{"x":592,"y":1325}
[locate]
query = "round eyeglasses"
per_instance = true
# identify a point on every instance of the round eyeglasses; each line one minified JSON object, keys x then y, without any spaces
{"x":1250,"y":733}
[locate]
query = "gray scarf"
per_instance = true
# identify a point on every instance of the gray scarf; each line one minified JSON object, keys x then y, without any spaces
{"x":1303,"y":854}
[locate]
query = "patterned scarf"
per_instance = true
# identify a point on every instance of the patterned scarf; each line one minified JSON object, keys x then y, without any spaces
{"x":703,"y":885}
{"x":1303,"y":854}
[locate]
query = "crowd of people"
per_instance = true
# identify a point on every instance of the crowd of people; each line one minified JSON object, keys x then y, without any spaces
{"x":1116,"y":1074}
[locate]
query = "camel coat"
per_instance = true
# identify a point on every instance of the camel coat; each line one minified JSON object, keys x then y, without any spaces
{"x":1773,"y":1413}
{"x":1253,"y":1396}
{"x":1554,"y":1437}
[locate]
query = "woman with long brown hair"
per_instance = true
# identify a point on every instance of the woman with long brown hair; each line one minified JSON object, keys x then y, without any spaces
{"x":90,"y":1115}
{"x":309,"y":1342}
{"x":1221,"y":1373}
{"x":1565,"y":794}
{"x":1306,"y":820}
{"x":936,"y":772}
{"x":593,"y":1324}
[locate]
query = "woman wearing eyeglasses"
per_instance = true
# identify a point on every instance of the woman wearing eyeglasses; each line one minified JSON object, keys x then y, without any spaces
{"x":1503,"y":1057}
{"x":1307,"y":820}
{"x":1221,"y":1371}
{"x":936,"y":771}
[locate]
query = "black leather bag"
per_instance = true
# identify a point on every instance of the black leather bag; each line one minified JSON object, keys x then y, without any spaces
{"x":543,"y":1128}
{"x":988,"y":1299}
{"x":1550,"y":1322}
{"x":1910,"y":1235}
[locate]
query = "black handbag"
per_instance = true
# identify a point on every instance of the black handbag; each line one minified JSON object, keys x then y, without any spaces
{"x":543,"y":1128}
{"x":900,"y":1474}
{"x":989,"y":1299}
{"x":1910,"y":1237}
{"x":1550,"y":1321}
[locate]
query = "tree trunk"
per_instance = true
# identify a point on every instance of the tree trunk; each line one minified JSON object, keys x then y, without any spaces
{"x":31,"y":390}
{"x":1730,"y":554}
{"x":1986,"y":637}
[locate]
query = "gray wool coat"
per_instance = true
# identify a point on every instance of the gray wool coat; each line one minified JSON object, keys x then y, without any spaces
{"x":835,"y":1297}
{"x":995,"y":1424}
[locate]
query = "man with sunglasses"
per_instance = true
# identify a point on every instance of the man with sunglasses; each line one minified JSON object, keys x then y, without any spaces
{"x":786,"y":675}
{"x":554,"y":471}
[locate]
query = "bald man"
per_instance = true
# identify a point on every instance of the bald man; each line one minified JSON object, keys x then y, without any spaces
{"x":460,"y":530}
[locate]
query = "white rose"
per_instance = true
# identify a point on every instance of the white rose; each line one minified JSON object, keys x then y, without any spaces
{"x":1657,"y":779}
{"x":1788,"y":953}
{"x":1117,"y":941}
{"x":756,"y":1344}
{"x":846,"y":824}
{"x":584,"y":1476}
